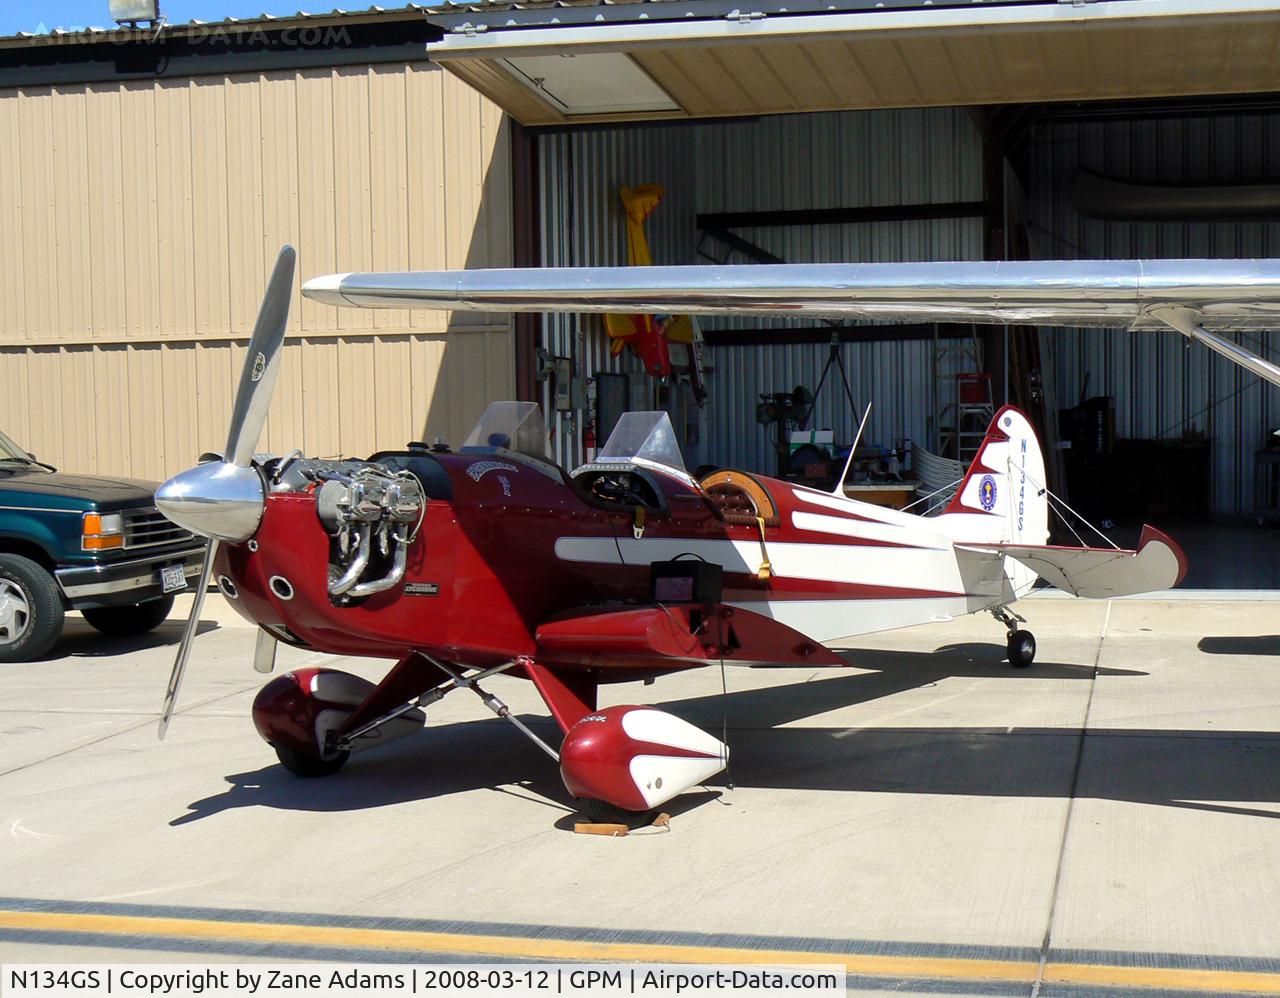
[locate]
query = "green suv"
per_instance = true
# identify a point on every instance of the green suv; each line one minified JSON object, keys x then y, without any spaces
{"x":87,"y":543}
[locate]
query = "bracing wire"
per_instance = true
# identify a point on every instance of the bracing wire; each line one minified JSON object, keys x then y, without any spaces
{"x":935,"y":492}
{"x":1065,"y":521}
{"x":724,"y":705}
{"x":1079,"y":516}
{"x":1052,"y":498}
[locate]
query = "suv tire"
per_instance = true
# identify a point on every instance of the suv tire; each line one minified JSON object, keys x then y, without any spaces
{"x":127,"y":620}
{"x":30,"y":607}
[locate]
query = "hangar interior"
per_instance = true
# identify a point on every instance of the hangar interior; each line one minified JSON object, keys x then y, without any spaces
{"x":864,"y":131}
{"x":1170,"y":404}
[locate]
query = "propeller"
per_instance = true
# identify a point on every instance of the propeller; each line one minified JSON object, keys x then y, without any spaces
{"x":223,"y":500}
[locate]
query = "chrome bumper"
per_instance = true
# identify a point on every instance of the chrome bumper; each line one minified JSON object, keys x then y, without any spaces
{"x":95,"y":581}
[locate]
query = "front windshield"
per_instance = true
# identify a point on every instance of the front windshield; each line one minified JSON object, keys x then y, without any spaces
{"x":9,"y":451}
{"x":645,"y":439}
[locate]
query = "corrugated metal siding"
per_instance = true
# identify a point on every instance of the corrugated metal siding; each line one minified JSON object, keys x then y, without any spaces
{"x":140,"y":223}
{"x":1161,"y":387}
{"x":583,"y":224}
{"x":802,"y":161}
{"x":891,"y":375}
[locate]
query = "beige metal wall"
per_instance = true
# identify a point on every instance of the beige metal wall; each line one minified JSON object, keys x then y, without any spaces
{"x":138,"y":223}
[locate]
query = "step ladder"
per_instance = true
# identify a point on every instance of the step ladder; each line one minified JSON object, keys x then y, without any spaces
{"x":962,"y":405}
{"x":974,"y":412}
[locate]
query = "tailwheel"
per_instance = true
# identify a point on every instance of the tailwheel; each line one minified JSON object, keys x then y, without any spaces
{"x":1022,"y":649}
{"x":308,"y":764}
{"x":603,"y":812}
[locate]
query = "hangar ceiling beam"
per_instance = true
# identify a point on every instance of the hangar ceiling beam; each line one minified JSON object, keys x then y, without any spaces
{"x":842,"y":216}
{"x":844,"y":333}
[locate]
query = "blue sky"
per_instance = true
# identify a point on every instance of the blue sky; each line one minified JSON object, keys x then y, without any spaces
{"x":16,"y":15}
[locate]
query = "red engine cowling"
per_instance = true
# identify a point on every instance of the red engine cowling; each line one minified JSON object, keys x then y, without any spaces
{"x":636,"y":757}
{"x":298,"y":709}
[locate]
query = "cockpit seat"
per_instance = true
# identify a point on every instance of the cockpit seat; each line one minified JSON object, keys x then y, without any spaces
{"x":739,"y":498}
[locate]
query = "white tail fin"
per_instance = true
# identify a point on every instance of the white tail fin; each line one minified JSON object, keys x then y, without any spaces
{"x":1002,"y":498}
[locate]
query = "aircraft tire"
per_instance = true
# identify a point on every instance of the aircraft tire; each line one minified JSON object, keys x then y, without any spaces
{"x":610,"y":814}
{"x":1021,"y":649}
{"x":300,"y":764}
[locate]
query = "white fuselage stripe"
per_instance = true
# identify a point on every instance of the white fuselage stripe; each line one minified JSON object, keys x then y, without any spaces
{"x":935,"y":570}
{"x":843,"y":526}
{"x":836,"y":622}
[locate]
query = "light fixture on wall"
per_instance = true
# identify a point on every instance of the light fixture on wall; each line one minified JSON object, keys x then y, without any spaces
{"x":591,"y":83}
{"x":133,"y":11}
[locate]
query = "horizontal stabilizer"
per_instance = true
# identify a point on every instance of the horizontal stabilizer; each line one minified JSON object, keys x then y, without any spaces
{"x":1100,"y":573}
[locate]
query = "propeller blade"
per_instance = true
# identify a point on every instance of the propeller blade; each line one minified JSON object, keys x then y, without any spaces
{"x":262,"y":363}
{"x":264,"y":653}
{"x":188,"y":635}
{"x":213,"y":499}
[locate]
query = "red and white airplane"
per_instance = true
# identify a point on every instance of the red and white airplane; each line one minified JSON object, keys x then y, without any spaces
{"x":459,"y":566}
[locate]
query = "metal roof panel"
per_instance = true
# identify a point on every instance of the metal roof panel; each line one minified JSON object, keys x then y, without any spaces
{"x":92,"y":33}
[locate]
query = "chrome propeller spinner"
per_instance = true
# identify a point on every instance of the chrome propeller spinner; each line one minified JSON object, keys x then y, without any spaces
{"x":224,"y":500}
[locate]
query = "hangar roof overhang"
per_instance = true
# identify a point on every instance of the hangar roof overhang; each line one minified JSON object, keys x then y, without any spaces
{"x":569,"y":62}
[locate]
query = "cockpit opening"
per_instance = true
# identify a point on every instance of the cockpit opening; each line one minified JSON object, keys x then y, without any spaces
{"x":641,"y":446}
{"x":644,"y":440}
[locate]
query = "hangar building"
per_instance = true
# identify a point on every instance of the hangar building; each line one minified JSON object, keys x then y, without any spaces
{"x":148,"y":179}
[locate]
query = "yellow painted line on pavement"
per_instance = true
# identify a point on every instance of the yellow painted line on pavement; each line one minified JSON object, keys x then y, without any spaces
{"x":522,"y":947}
{"x":343,"y":937}
{"x":1166,"y":978}
{"x":503,"y":946}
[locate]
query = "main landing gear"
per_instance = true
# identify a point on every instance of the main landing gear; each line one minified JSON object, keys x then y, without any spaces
{"x":303,"y":715}
{"x":1021,"y":645}
{"x":619,"y":762}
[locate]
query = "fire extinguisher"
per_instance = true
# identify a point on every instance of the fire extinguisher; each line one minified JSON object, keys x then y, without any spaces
{"x":589,"y":442}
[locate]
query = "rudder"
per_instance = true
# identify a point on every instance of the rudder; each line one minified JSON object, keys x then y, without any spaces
{"x":1004,"y":490}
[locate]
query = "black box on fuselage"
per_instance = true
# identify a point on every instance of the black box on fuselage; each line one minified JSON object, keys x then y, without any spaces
{"x":685,"y":580}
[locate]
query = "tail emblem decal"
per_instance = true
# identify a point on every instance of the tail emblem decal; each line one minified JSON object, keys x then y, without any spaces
{"x":987,"y":493}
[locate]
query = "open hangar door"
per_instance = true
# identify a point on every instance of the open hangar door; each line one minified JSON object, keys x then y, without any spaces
{"x":943,"y":165}
{"x":1209,"y":416}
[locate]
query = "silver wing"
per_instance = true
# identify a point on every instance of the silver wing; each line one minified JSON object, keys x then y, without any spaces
{"x":1195,"y":297}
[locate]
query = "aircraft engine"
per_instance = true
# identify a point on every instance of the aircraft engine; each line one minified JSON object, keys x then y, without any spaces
{"x":636,"y":757}
{"x":372,"y":513}
{"x":299,"y":713}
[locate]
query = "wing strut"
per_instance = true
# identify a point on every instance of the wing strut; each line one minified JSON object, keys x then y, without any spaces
{"x":1187,"y":322}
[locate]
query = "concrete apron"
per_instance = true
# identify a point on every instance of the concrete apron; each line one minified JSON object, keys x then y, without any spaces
{"x":929,"y":817}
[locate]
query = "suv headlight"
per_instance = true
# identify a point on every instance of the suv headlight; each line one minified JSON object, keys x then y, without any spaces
{"x":102,"y":531}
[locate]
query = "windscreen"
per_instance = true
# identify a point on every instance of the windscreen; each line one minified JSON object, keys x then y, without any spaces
{"x":513,"y":426}
{"x":643,"y":438}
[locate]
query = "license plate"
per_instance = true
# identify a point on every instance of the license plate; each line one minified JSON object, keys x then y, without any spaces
{"x":173,"y":578}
